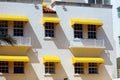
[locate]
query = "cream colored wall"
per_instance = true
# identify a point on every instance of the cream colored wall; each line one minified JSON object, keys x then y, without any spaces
{"x":59,"y":46}
{"x":116,"y":24}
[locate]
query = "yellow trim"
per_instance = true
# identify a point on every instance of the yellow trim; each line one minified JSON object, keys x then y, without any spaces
{"x":13,"y":18}
{"x":44,"y":4}
{"x":87,"y":60}
{"x":85,"y":21}
{"x":14,"y":58}
{"x":50,"y":19}
{"x":51,"y":59}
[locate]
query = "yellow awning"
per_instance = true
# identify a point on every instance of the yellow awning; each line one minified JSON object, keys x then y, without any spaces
{"x":50,"y":19}
{"x":87,"y":60}
{"x":44,"y":4}
{"x":85,"y":21}
{"x":51,"y":59}
{"x":14,"y":58}
{"x":13,"y":18}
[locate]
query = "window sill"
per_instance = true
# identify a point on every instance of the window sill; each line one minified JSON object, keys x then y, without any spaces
{"x":77,"y":39}
{"x":18,"y":74}
{"x":78,"y":74}
{"x":48,"y":74}
{"x":93,"y":74}
{"x":49,"y":38}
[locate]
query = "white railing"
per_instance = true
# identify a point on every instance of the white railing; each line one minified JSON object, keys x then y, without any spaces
{"x":88,"y":43}
{"x":23,"y":41}
{"x":20,"y":41}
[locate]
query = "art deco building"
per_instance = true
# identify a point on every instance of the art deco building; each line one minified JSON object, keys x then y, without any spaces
{"x":58,"y":40}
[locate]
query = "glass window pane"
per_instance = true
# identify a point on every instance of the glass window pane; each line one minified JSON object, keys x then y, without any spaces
{"x":4,"y":67}
{"x":107,"y":2}
{"x":49,"y":30}
{"x":91,"y":32}
{"x":49,"y":68}
{"x":93,"y":68}
{"x":78,"y":31}
{"x":118,"y":11}
{"x":79,"y":68}
{"x":3,"y":27}
{"x":18,"y":28}
{"x":98,"y":1}
{"x":19,"y":67}
{"x":91,"y":1}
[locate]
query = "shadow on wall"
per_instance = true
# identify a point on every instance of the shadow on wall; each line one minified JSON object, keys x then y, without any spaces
{"x":60,"y":73}
{"x":108,"y":46}
{"x":29,"y":74}
{"x":86,"y":52}
{"x":33,"y":55}
{"x":35,"y":41}
{"x":118,"y":63}
{"x":102,"y":75}
{"x":13,"y":50}
{"x":107,"y":43}
{"x":61,"y":40}
{"x":13,"y":77}
{"x":106,"y":56}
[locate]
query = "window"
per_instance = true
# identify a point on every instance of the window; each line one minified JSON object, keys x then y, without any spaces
{"x":79,"y":68}
{"x":119,"y":40}
{"x":3,"y":67}
{"x":18,"y":67}
{"x":49,"y":68}
{"x":99,"y":1}
{"x":49,"y":30}
{"x":78,"y":31}
{"x":118,"y":11}
{"x":91,"y":1}
{"x":91,"y":32}
{"x":107,"y":2}
{"x":3,"y":27}
{"x":18,"y":28}
{"x":93,"y":68}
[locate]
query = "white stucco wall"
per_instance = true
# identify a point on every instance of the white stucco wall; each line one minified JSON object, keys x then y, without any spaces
{"x":34,"y":70}
{"x":116,"y":24}
{"x":105,"y":15}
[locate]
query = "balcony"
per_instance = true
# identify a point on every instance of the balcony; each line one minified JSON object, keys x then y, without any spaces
{"x":23,"y":41}
{"x":20,"y":41}
{"x":22,"y":45}
{"x":87,"y":43}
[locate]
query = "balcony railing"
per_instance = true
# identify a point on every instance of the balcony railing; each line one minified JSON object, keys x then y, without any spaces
{"x":87,"y":43}
{"x":23,"y":41}
{"x":20,"y":41}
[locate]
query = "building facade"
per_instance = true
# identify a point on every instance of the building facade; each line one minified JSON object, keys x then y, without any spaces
{"x":64,"y":41}
{"x":116,"y":24}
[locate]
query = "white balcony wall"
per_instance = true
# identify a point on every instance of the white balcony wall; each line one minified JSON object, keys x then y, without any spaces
{"x":87,"y":43}
{"x":20,"y":41}
{"x":23,"y":41}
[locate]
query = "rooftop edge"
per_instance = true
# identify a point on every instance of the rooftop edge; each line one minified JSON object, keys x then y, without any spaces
{"x":80,"y":4}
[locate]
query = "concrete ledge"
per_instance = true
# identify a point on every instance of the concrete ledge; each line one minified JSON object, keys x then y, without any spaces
{"x":116,"y":79}
{"x":80,"y":4}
